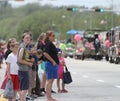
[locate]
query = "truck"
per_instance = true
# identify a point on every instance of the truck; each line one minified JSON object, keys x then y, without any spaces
{"x":114,"y":49}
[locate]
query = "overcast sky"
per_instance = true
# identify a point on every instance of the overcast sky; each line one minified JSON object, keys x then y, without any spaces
{"x":87,"y":3}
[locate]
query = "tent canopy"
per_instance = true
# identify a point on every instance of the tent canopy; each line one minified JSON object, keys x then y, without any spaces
{"x":73,"y":31}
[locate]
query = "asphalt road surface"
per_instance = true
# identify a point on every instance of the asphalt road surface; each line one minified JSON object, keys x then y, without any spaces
{"x":92,"y":81}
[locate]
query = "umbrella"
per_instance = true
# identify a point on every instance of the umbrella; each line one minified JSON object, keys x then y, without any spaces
{"x":81,"y":32}
{"x":72,"y":31}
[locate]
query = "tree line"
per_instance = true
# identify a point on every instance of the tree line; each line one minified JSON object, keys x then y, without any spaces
{"x":38,"y":18}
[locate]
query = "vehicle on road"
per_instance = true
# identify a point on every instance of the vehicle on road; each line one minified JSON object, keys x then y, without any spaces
{"x":114,"y":50}
{"x":69,"y":50}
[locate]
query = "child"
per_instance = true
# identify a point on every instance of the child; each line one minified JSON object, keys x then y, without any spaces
{"x":36,"y":90}
{"x":41,"y":72}
{"x":60,"y":73}
{"x":13,"y":68}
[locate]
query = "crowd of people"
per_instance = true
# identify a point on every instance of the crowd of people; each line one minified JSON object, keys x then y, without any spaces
{"x":33,"y":67}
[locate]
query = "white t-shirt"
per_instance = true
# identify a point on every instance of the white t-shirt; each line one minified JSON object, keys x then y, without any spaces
{"x":12,"y":59}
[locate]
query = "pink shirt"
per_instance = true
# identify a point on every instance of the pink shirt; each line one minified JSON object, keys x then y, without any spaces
{"x":107,"y":43}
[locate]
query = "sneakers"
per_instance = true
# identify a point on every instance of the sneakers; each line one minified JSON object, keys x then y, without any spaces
{"x":34,"y":96}
{"x":42,"y":93}
{"x":43,"y":90}
{"x":17,"y":99}
{"x":29,"y":98}
{"x":53,"y":91}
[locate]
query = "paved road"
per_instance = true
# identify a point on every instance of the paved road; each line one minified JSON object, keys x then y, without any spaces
{"x":92,"y":81}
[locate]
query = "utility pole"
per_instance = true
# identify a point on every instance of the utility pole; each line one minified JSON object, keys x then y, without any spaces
{"x":112,"y":17}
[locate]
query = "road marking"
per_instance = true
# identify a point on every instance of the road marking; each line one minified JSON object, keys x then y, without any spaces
{"x":84,"y":76}
{"x":117,"y":86}
{"x":100,"y":80}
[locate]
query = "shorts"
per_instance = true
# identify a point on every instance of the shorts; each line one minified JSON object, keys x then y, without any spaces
{"x":15,"y":81}
{"x":51,"y":71}
{"x":32,"y":78}
{"x":23,"y":79}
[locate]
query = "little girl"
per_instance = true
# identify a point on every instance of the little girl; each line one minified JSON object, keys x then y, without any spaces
{"x":60,"y":73}
{"x":12,"y":67}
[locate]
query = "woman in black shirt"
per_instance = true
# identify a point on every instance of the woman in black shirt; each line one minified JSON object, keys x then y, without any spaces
{"x":51,"y":64}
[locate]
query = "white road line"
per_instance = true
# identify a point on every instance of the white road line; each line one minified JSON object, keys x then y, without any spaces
{"x":100,"y":80}
{"x":117,"y":86}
